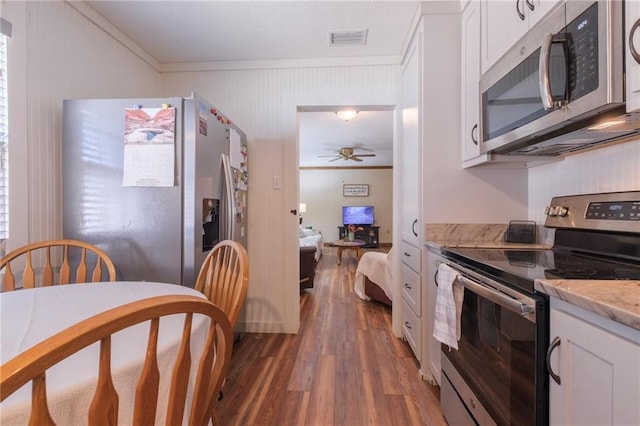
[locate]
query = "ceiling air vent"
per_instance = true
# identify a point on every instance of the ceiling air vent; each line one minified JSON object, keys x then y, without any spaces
{"x":348,"y":38}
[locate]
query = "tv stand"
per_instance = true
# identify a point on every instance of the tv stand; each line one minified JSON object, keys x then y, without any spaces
{"x":369,"y":235}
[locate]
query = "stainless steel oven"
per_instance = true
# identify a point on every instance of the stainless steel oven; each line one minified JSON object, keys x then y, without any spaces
{"x":500,"y":360}
{"x":498,"y":375}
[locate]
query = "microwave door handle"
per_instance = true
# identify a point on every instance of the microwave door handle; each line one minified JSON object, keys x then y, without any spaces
{"x":543,"y":72}
{"x":632,"y":47}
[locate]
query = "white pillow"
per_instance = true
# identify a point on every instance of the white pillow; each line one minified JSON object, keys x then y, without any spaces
{"x":301,"y":233}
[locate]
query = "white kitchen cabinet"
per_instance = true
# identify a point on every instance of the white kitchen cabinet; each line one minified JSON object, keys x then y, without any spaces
{"x":431,"y":346}
{"x":411,"y":321}
{"x":505,"y":22}
{"x":632,"y":16}
{"x":410,"y":161}
{"x":411,"y":289}
{"x":598,"y":364}
{"x":470,"y":71}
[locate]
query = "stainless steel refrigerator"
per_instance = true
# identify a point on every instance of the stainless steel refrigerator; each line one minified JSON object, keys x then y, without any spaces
{"x":156,"y":183}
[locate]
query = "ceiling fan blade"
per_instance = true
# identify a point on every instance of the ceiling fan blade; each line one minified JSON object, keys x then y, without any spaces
{"x":335,"y":159}
{"x":354,"y":158}
{"x":327,"y":156}
{"x":366,"y":155}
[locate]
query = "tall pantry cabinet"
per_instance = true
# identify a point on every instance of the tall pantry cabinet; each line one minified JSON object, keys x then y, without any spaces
{"x":429,"y":106}
{"x":411,"y":196}
{"x":434,"y":187}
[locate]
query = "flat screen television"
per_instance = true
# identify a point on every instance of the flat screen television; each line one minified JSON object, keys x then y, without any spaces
{"x":357,"y":215}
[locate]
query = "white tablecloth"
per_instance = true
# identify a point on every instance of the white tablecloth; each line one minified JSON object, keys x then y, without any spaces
{"x":32,"y":315}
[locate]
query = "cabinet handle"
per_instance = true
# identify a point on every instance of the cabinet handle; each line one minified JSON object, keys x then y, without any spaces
{"x":407,"y":286}
{"x":407,"y":254}
{"x":632,"y":48}
{"x":520,"y":13}
{"x":413,"y":227}
{"x":406,"y":324}
{"x":473,"y":138}
{"x":554,"y":344}
{"x":531,"y":5}
{"x":435,"y":278}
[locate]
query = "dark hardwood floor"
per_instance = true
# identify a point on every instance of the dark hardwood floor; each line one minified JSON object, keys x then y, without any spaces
{"x":344,"y":367}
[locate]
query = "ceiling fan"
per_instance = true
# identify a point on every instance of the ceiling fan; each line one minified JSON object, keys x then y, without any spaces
{"x":348,"y":154}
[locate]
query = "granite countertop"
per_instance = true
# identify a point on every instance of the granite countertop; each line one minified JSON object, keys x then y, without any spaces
{"x":618,"y":300}
{"x":437,"y":244}
{"x":472,"y":235}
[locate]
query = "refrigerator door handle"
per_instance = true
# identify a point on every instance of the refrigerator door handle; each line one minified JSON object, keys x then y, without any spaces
{"x":228,"y":189}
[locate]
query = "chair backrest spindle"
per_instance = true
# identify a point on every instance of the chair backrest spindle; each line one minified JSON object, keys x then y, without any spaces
{"x":224,"y":277}
{"x":31,"y":252}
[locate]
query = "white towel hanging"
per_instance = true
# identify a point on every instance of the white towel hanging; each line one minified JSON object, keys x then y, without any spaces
{"x":446,"y":328}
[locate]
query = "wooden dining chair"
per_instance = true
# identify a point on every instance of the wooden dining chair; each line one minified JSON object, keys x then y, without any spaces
{"x":69,"y":253}
{"x":224,"y":277}
{"x":32,"y":365}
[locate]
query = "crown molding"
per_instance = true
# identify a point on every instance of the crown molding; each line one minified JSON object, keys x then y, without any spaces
{"x":280,"y":63}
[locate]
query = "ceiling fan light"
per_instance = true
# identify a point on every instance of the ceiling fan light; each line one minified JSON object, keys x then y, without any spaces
{"x":346,"y":115}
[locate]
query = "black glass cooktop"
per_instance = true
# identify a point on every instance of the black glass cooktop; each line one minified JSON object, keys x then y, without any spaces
{"x":521,"y":267}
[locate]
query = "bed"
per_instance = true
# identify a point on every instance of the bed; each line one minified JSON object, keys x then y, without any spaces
{"x":374,"y":280}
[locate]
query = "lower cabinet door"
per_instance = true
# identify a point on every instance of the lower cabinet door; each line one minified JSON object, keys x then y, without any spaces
{"x":598,"y":371}
{"x":411,"y":328}
{"x":410,"y":287}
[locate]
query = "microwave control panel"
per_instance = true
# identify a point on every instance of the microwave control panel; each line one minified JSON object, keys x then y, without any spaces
{"x":582,"y":37}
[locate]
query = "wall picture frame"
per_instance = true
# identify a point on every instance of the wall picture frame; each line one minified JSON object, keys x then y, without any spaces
{"x":355,"y":190}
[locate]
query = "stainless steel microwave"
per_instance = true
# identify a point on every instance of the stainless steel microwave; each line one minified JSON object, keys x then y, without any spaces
{"x":561,"y":87}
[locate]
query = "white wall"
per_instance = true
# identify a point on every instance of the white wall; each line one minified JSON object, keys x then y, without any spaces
{"x":263,"y":103}
{"x":56,"y":54}
{"x":452,"y":194}
{"x":321,"y":190}
{"x":607,"y":169}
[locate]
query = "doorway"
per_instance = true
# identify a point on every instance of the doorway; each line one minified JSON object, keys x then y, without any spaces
{"x":334,"y":152}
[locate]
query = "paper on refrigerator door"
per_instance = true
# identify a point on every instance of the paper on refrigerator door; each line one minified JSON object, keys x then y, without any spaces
{"x":149,"y":147}
{"x":235,"y":149}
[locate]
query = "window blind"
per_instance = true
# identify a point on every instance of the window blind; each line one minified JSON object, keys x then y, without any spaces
{"x":4,"y":141}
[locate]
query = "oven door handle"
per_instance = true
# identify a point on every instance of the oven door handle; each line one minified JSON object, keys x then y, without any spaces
{"x":495,"y":296}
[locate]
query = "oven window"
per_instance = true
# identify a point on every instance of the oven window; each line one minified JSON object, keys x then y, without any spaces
{"x":515,"y":99}
{"x":496,"y":358}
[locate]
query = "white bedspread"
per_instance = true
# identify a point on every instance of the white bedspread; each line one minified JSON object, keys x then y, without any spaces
{"x":377,"y":267}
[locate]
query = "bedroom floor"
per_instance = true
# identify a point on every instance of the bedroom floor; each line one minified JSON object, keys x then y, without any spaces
{"x":345,"y":367}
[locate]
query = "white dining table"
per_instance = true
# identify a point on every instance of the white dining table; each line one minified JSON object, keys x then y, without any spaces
{"x":29,"y":316}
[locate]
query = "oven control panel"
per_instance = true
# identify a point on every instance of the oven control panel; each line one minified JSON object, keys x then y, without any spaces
{"x":622,"y":210}
{"x":613,"y":211}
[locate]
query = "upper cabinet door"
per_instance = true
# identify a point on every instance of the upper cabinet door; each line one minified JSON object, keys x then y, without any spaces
{"x":411,"y":153}
{"x":504,"y":22}
{"x":632,"y":41}
{"x":470,"y":96}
